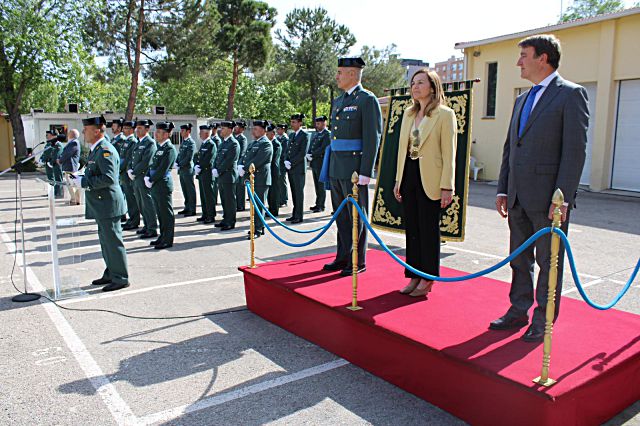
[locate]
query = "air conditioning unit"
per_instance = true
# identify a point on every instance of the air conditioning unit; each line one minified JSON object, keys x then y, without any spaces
{"x":158,"y":110}
{"x":71,"y":108}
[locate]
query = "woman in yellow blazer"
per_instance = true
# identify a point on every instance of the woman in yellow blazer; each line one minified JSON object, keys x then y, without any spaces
{"x":425,"y":175}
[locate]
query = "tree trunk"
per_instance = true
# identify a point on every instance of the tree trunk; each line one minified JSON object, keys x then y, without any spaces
{"x":232,"y":88}
{"x":18,"y":131}
{"x":135,"y":72}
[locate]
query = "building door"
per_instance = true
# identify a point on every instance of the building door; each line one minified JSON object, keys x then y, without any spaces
{"x":625,"y":171}
{"x":591,"y":93}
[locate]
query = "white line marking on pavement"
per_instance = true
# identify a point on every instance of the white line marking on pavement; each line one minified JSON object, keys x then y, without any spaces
{"x":107,"y":391}
{"x":225,"y":397}
{"x":589,"y":284}
{"x":145,"y":289}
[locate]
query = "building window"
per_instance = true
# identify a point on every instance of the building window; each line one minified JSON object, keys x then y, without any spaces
{"x":492,"y":84}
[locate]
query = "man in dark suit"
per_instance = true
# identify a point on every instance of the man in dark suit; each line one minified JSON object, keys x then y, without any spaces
{"x":320,"y":140}
{"x":283,"y":138}
{"x":357,"y":125}
{"x":296,"y":164}
{"x":544,"y":150}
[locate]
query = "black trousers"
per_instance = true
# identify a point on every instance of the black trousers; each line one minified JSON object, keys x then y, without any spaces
{"x":422,"y":223}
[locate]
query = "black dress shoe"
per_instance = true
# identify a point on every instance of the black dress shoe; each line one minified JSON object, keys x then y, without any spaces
{"x":227,"y":227}
{"x":187,"y":214}
{"x":509,"y":322}
{"x":219,"y":225}
{"x":348,"y":271}
{"x":255,"y":236}
{"x":162,"y":246}
{"x":334,"y":266}
{"x":154,"y":242}
{"x":290,"y":219}
{"x":535,"y":333}
{"x":100,"y":281}
{"x":313,"y":208}
{"x":294,"y":221}
{"x":183,"y":212}
{"x":201,"y":219}
{"x":141,"y":231}
{"x":115,"y":286}
{"x":150,"y":234}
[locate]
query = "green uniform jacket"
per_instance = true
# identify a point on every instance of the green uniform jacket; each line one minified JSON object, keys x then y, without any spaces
{"x":141,"y":157}
{"x":51,"y":154}
{"x":355,"y":116}
{"x":284,"y":142}
{"x":296,"y":152}
{"x":162,"y":163}
{"x":227,"y":160}
{"x":242,"y":142}
{"x":126,"y":153}
{"x":207,"y":156}
{"x":216,"y":139}
{"x":104,"y":198}
{"x":319,"y":143}
{"x":118,"y":141}
{"x":185,"y":156}
{"x":275,"y":159}
{"x":259,"y":154}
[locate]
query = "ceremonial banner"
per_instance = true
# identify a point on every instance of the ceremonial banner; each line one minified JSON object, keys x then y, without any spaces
{"x":387,"y":213}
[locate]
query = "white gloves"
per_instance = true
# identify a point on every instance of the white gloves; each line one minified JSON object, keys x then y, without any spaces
{"x":240,"y":170}
{"x":309,"y":157}
{"x":176,"y":166}
{"x":214,"y":173}
{"x":50,"y":165}
{"x":287,"y":164}
{"x":363,"y":180}
{"x":131,"y":175}
{"x":198,"y":170}
{"x":147,"y":182}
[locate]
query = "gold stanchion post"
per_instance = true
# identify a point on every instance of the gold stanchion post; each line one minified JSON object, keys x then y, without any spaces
{"x":354,"y":254}
{"x":252,"y":226}
{"x":544,"y":380}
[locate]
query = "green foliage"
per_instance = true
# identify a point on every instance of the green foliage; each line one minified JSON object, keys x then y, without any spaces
{"x":383,"y":70}
{"x":587,"y":8}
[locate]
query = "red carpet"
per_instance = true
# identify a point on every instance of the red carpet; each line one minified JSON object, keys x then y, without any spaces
{"x":440,"y":349}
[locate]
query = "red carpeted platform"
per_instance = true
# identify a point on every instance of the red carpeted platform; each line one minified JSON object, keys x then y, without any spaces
{"x":441,"y":350}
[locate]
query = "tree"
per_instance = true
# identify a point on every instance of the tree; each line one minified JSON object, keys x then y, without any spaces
{"x":586,"y":8}
{"x":383,"y":70}
{"x":313,"y":42}
{"x":35,"y":38}
{"x":245,"y":35}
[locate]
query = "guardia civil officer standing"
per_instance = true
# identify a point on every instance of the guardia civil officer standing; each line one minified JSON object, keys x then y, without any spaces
{"x":128,"y":148}
{"x":184,"y":164}
{"x":138,"y":168}
{"x":283,"y":187}
{"x":259,"y":154}
{"x":296,"y":165}
{"x":274,"y":190}
{"x":105,"y":203}
{"x":117,"y":142}
{"x":160,"y":182}
{"x":320,"y":140}
{"x":215,"y":137}
{"x":238,"y":134}
{"x":206,"y":157}
{"x":50,"y":157}
{"x":357,"y":125}
{"x":226,"y":174}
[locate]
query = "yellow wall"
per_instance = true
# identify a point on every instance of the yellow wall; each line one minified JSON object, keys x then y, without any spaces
{"x":601,"y":52}
{"x":6,"y":144}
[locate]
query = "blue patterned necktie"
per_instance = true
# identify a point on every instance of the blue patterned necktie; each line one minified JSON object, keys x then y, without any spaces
{"x":528,"y":106}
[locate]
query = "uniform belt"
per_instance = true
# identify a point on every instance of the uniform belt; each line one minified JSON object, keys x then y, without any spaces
{"x":337,"y":145}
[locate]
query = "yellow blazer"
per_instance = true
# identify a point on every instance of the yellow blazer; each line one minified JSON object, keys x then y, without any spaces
{"x":438,"y":140}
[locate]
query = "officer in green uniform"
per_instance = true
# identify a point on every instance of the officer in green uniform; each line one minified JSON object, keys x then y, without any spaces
{"x":215,"y":137}
{"x":51,"y":155}
{"x":45,"y":156}
{"x":129,"y":146}
{"x":296,"y":165}
{"x":281,"y":131}
{"x":357,"y":125}
{"x":117,"y":142}
{"x":242,"y":141}
{"x":274,"y":190}
{"x":160,"y":182}
{"x":204,"y":165}
{"x":320,"y":140}
{"x":184,"y":165}
{"x":138,"y":168}
{"x":105,"y":202}
{"x":259,"y":153}
{"x":226,"y":174}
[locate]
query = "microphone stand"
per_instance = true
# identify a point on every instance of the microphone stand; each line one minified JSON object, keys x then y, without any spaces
{"x":18,"y":167}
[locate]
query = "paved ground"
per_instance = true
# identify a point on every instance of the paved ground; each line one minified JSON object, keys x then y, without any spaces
{"x":71,"y":367}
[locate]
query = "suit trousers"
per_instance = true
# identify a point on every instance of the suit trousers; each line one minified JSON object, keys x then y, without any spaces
{"x":133,"y":209}
{"x":297,"y":194}
{"x":523,"y":224}
{"x":188,"y":190}
{"x":240,"y":194}
{"x":261,"y":192}
{"x":282,"y":183}
{"x":162,"y":199}
{"x":207,"y":195}
{"x":422,"y":223}
{"x":228,"y":199}
{"x":340,"y":189}
{"x":274,"y":195}
{"x":145,"y":204}
{"x":321,"y":193}
{"x":113,"y":251}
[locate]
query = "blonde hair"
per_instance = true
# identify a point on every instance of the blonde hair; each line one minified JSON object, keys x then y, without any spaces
{"x":437,"y":97}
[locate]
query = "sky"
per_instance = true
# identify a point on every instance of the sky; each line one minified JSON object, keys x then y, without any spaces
{"x":428,"y":29}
